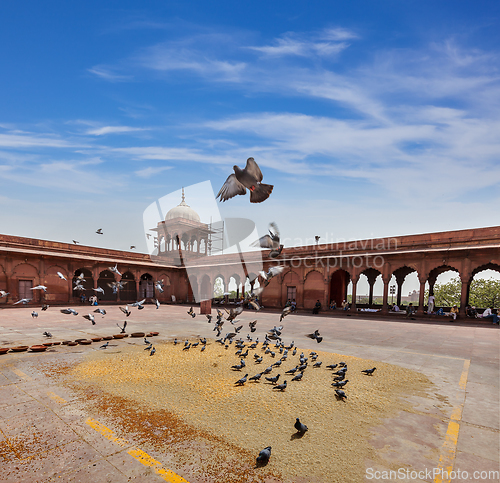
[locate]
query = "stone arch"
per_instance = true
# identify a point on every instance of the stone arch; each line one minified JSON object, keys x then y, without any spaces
{"x":106,"y":277}
{"x":88,"y":283}
{"x":219,"y":277}
{"x":488,"y":297}
{"x":146,"y":287}
{"x":206,"y":288}
{"x":314,"y":289}
{"x":399,"y":275}
{"x":482,"y":268}
{"x":372,"y":275}
{"x":339,"y":280}
{"x":129,"y":291}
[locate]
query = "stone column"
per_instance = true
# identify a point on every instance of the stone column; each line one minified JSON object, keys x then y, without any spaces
{"x":354,"y":281}
{"x":386,"y":280}
{"x":464,"y":296}
{"x":399,"y":283}
{"x":421,"y":296}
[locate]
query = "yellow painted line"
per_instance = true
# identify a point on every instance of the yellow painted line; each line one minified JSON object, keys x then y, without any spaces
{"x":21,"y":374}
{"x":56,"y":398}
{"x":138,"y":454}
{"x":449,"y":448}
{"x":146,"y":460}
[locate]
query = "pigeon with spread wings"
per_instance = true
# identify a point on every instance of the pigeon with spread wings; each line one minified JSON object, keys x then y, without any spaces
{"x":242,"y":179}
{"x":271,"y":241}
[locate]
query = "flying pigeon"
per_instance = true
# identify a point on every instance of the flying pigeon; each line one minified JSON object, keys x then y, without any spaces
{"x":271,"y":241}
{"x":241,"y":381}
{"x":233,"y":313}
{"x":272,"y":272}
{"x":286,"y":311}
{"x":369,"y":372}
{"x":34,"y":314}
{"x":115,"y":270}
{"x":98,"y":289}
{"x":315,"y":335}
{"x":301,"y":428}
{"x":250,"y":177}
{"x":39,"y":287}
{"x":61,"y":276}
{"x":122,"y":329}
{"x":79,"y":287}
{"x":252,"y":326}
{"x":191,"y":312}
{"x":100,"y":311}
{"x":264,"y":456}
{"x":138,"y":304}
{"x":125,"y":310}
{"x":44,"y":307}
{"x":69,"y":311}
{"x":22,"y":301}
{"x":159,"y":286}
{"x":116,"y":285}
{"x":3,"y":294}
{"x":99,"y":231}
{"x":90,"y":317}
{"x":157,"y":303}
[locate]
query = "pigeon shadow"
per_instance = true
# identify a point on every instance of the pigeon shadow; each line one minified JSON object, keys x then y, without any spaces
{"x":297,"y":435}
{"x":261,"y":464}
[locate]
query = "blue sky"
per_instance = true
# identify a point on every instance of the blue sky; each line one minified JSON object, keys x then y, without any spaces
{"x":371,"y":118}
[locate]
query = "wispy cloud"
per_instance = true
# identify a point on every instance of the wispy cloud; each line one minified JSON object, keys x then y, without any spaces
{"x":151,"y":171}
{"x":114,"y":130}
{"x":107,"y":74}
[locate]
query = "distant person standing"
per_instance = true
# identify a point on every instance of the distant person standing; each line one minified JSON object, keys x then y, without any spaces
{"x":430,"y":304}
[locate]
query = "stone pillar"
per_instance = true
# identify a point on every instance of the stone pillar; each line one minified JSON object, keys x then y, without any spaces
{"x":421,"y":296}
{"x":464,"y":296}
{"x":386,"y":280}
{"x":354,"y":280}
{"x":399,"y":283}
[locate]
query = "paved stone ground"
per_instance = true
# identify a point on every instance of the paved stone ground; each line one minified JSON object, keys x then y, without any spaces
{"x":45,"y":437}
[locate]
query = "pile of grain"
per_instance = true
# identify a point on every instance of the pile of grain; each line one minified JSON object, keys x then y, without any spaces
{"x":187,"y":400}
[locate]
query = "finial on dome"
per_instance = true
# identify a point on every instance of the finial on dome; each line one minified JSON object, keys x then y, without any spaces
{"x":183,"y":194}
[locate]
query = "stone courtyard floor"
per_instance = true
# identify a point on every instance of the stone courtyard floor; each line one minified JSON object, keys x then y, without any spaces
{"x":45,"y":435}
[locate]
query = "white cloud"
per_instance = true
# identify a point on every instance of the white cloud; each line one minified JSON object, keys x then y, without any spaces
{"x":114,"y":130}
{"x":107,"y":74}
{"x":151,"y":171}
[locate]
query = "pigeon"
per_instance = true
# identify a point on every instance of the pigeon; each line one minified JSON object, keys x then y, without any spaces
{"x":286,"y":311}
{"x":187,"y":347}
{"x":152,"y":353}
{"x":281,"y":387}
{"x":44,"y":307}
{"x":301,"y":428}
{"x":90,"y":317}
{"x":274,"y":379}
{"x":209,"y":318}
{"x":157,"y":303}
{"x":340,"y":383}
{"x":315,"y":335}
{"x":332,"y":366}
{"x":256,"y":377}
{"x":146,"y":341}
{"x":115,"y":270}
{"x":195,"y":344}
{"x":340,"y":394}
{"x":132,"y":247}
{"x":317,"y":238}
{"x":317,"y":364}
{"x":125,"y":310}
{"x":99,"y":231}
{"x":76,"y":242}
{"x":340,"y":372}
{"x":369,"y":372}
{"x":271,"y":241}
{"x":69,"y":311}
{"x":3,"y":294}
{"x":175,"y":341}
{"x":100,"y":311}
{"x":233,"y":313}
{"x":138,"y":304}
{"x":34,"y":314}
{"x":291,"y":371}
{"x":122,"y":329}
{"x":302,"y":367}
{"x":61,"y":276}
{"x":99,"y":290}
{"x":104,"y":346}
{"x":272,"y":272}
{"x":250,"y":177}
{"x":80,"y":278}
{"x":47,"y":334}
{"x":264,"y":456}
{"x":186,"y":342}
{"x":258,"y":360}
{"x":116,"y":286}
{"x":241,"y":381}
{"x":191,"y":312}
{"x":159,"y":286}
{"x":298,"y":377}
{"x":252,"y":326}
{"x":79,"y":287}
{"x":203,"y":348}
{"x":22,"y":301}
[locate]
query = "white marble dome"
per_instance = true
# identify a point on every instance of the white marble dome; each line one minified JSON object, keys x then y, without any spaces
{"x":183,"y":210}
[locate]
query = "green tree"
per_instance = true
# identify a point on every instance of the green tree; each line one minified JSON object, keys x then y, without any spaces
{"x":484,"y":293}
{"x":447,"y":294}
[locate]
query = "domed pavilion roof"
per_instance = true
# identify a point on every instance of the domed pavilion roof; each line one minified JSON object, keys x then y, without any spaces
{"x":183,"y":210}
